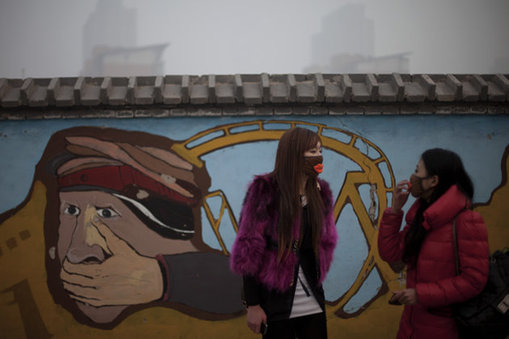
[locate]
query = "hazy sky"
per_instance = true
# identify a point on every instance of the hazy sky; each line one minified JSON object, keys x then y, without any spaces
{"x":43,"y":38}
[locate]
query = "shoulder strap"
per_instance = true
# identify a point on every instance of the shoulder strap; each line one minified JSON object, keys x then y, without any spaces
{"x":455,"y":242}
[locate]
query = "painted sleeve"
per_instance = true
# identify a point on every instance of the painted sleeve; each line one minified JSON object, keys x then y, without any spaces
{"x":473,"y":252}
{"x":390,"y":238}
{"x":163,"y":265}
{"x":250,"y":242}
{"x":203,"y":282}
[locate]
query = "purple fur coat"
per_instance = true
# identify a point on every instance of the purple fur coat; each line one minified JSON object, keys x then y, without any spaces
{"x":258,"y":222}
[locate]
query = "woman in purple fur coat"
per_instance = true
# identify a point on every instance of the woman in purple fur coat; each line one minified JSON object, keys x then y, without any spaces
{"x":285,"y":242}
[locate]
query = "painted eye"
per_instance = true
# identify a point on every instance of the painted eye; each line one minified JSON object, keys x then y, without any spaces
{"x":72,"y":210}
{"x":106,"y":212}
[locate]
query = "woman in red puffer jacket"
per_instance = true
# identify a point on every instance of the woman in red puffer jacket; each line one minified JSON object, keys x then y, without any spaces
{"x":444,"y":191}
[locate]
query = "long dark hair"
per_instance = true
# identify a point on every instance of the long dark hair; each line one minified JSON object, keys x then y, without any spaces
{"x":289,"y":173}
{"x":448,"y":166}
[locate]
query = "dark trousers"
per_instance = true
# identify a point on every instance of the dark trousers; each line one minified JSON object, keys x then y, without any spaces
{"x":310,"y":326}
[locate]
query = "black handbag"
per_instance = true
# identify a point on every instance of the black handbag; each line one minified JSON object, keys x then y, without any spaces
{"x":486,"y":315}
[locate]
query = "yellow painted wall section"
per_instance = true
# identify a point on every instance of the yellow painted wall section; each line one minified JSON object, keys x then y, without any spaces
{"x":496,"y":211}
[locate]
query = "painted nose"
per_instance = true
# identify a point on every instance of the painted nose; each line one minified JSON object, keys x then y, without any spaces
{"x":87,"y":244}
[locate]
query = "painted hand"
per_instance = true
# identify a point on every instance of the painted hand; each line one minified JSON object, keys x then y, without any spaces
{"x":125,"y":278}
{"x":407,"y":296}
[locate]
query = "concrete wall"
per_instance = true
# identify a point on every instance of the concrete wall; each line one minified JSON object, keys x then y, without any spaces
{"x":363,"y":157}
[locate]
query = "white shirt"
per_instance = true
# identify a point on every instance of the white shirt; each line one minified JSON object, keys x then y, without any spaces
{"x":304,"y":302}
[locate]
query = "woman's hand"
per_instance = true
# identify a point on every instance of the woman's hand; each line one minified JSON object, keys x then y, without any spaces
{"x":255,"y":317}
{"x":407,"y":296}
{"x":400,"y":195}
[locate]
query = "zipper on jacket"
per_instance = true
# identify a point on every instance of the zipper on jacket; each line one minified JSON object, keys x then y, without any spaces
{"x":304,"y":287}
{"x":295,"y":274}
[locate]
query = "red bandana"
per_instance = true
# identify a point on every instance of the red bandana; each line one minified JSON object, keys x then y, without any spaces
{"x":120,"y":179}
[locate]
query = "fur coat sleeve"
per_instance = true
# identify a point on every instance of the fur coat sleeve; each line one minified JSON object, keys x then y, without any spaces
{"x":251,"y":242}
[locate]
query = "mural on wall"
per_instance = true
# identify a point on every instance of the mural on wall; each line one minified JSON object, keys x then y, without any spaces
{"x":129,"y":232}
{"x":121,"y":225}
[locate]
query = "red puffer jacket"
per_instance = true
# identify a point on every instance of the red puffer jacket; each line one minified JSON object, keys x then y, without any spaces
{"x":434,"y":275}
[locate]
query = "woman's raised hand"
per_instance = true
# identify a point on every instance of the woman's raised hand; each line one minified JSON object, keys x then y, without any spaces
{"x":400,"y":195}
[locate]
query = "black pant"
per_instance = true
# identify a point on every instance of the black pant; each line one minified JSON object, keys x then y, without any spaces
{"x":312,"y":326}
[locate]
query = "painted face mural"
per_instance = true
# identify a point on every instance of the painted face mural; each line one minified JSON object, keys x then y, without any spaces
{"x":132,"y":277}
{"x":128,"y":215}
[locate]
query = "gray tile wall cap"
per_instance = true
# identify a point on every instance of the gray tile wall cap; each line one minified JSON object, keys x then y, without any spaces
{"x":355,"y":92}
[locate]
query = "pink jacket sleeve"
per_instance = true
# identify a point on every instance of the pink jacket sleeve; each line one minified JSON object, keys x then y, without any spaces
{"x":473,"y":253}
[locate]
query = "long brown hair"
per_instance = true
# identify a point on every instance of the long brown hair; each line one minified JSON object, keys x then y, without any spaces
{"x":289,"y":173}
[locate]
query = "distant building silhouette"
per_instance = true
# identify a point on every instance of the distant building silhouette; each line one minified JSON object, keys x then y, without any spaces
{"x":344,"y":63}
{"x":346,"y":45}
{"x":344,"y":31}
{"x":500,"y":65}
{"x":109,"y":44}
{"x":111,"y":24}
{"x":126,"y":61}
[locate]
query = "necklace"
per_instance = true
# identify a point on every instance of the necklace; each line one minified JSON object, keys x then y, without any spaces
{"x":303,"y":200}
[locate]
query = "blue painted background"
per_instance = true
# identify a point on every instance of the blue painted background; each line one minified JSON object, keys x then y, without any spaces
{"x":480,"y":141}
